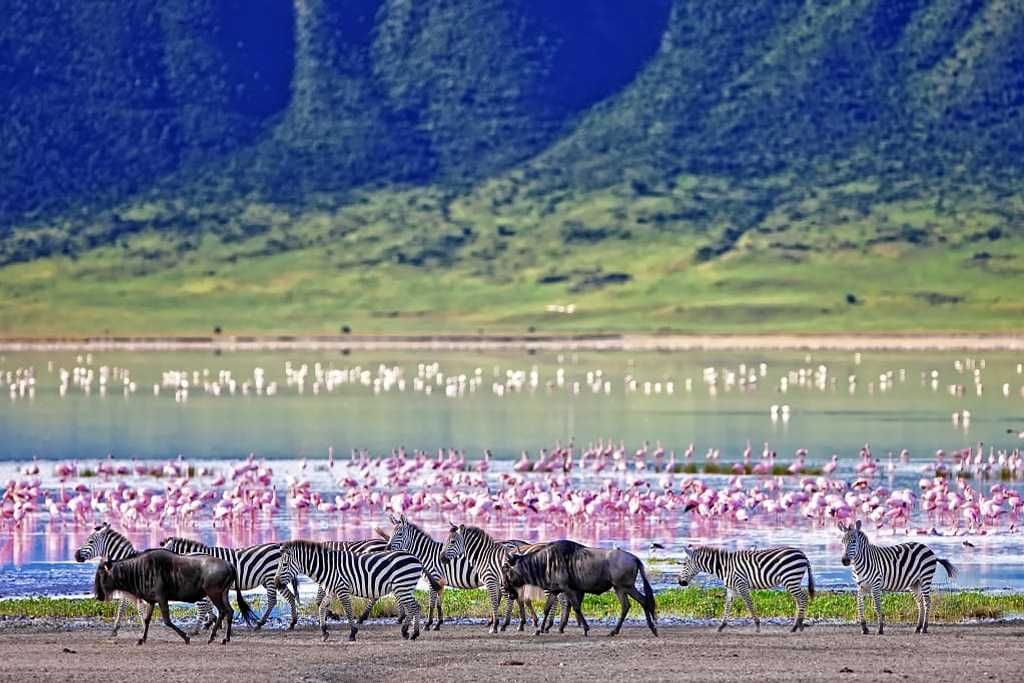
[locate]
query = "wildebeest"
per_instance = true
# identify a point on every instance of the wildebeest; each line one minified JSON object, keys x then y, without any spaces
{"x":159,"y":576}
{"x":570,"y":568}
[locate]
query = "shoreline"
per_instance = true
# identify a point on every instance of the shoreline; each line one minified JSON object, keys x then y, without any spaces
{"x":532,"y":342}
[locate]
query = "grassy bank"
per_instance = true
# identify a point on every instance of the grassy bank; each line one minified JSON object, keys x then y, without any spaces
{"x":689,"y":603}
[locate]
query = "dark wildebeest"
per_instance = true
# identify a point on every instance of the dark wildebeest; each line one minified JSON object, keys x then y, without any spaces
{"x":570,"y":568}
{"x":159,"y":576}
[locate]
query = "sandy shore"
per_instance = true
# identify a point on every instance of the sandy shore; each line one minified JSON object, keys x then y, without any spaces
{"x":596,"y":342}
{"x":467,"y":653}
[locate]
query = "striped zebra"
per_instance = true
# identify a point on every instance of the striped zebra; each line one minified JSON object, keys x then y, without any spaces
{"x":487,"y":555}
{"x":366,"y":545}
{"x":745,"y":570}
{"x":455,"y":572}
{"x":256,"y":566}
{"x":344,"y":574}
{"x":904,"y":567}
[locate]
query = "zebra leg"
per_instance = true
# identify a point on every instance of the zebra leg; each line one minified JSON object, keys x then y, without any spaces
{"x":165,"y":612}
{"x":435,"y":600}
{"x":293,"y":603}
{"x":121,"y":607}
{"x":748,"y":600}
{"x":728,"y":606}
{"x":366,"y":612}
{"x":271,"y":601}
{"x":412,"y":608}
{"x":145,"y":623}
{"x":510,"y":602}
{"x":346,"y":603}
{"x":876,"y":593}
{"x":926,"y":598}
{"x":494,"y":593}
{"x":563,"y":600}
{"x":440,"y":610}
{"x":624,"y":604}
{"x":919,"y":601}
{"x":860,"y":609}
{"x":323,"y":609}
{"x":204,"y":615}
{"x":800,"y":597}
{"x":320,"y":593}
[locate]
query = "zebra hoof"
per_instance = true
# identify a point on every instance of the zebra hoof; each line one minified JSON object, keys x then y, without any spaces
{"x":140,"y":641}
{"x":538,"y":632}
{"x":437,"y":627}
{"x":612,"y":633}
{"x":352,"y":635}
{"x":325,"y":635}
{"x":415,"y":635}
{"x":225,"y":641}
{"x":405,"y":631}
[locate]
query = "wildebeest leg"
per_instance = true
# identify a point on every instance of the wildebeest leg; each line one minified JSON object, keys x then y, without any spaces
{"x":523,"y":604}
{"x":624,"y":604}
{"x":165,"y":612}
{"x":576,"y":600}
{"x":648,"y":615}
{"x":145,"y":623}
{"x":547,"y":611}
{"x":226,"y":614}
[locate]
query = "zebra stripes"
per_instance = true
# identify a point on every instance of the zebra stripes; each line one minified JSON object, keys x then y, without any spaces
{"x":255,"y":566}
{"x":746,"y":570}
{"x":105,"y":543}
{"x":344,"y":574}
{"x":904,"y":567}
{"x":456,"y":572}
{"x":367,"y":545}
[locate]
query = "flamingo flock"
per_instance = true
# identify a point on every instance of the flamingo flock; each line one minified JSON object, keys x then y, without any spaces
{"x":956,"y":494}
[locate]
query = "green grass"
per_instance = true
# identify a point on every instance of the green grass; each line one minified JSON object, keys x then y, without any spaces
{"x":685,"y":603}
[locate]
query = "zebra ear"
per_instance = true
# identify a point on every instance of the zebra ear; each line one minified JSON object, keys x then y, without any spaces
{"x":451,"y":526}
{"x":858,"y":525}
{"x":402,"y":517}
{"x":841,"y":525}
{"x":462,"y":527}
{"x":394,"y":520}
{"x":688,"y":550}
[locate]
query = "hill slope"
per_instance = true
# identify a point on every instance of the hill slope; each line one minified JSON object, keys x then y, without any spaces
{"x":398,"y":165}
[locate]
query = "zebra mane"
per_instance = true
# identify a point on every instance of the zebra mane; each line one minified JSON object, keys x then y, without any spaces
{"x":475,"y":533}
{"x":109,"y":534}
{"x":302,"y":545}
{"x":418,"y":532}
{"x":708,"y":557}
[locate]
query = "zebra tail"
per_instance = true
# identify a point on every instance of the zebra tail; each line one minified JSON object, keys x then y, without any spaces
{"x":436,"y":582}
{"x":295,"y":587}
{"x":950,"y":569}
{"x":649,"y":601}
{"x":810,"y":581}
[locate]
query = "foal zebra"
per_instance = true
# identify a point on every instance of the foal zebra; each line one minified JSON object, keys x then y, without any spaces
{"x":457,"y":572}
{"x":487,"y":555}
{"x":107,"y":544}
{"x":255,"y":566}
{"x":744,"y":570}
{"x":904,"y":567}
{"x":344,"y":574}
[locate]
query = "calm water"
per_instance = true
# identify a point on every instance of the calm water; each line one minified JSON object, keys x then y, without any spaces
{"x":508,"y":402}
{"x":910,"y":411}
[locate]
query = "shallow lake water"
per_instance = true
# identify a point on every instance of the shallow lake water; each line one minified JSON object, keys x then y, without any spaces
{"x":291,"y":408}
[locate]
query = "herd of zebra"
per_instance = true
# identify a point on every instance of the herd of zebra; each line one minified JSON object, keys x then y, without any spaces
{"x":560,"y":571}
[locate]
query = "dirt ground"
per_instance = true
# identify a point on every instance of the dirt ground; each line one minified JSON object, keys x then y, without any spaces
{"x":468,"y":653}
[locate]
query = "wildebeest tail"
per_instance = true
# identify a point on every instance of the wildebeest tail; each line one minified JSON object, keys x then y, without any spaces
{"x":950,"y":569}
{"x":649,"y":601}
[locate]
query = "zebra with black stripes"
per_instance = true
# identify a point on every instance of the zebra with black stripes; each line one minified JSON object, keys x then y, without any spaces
{"x":106,"y":544}
{"x":903,"y":567}
{"x":454,"y":572}
{"x":255,"y":566}
{"x":344,"y":574}
{"x":366,"y":545}
{"x":745,"y":570}
{"x":487,"y":555}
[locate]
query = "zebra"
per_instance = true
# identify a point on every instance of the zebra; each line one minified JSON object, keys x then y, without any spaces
{"x":904,"y":567}
{"x":344,"y":574}
{"x":367,"y":545}
{"x":255,"y":566}
{"x":487,"y":555}
{"x":106,"y":544}
{"x":743,"y":570}
{"x":456,"y":572}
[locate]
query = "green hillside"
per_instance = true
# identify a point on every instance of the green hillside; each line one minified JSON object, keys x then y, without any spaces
{"x":431,"y":166}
